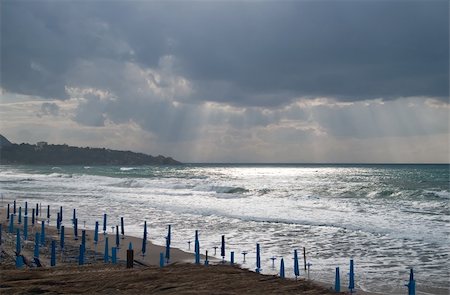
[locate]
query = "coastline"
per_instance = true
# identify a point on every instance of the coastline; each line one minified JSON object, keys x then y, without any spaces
{"x":151,"y":260}
{"x":223,"y":276}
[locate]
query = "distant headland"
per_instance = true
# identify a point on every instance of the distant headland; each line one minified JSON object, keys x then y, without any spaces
{"x":43,"y":153}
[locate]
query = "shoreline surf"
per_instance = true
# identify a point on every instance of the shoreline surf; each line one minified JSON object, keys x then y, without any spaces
{"x":337,"y":212}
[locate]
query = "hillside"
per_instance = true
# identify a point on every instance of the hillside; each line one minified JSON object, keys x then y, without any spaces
{"x":50,"y":154}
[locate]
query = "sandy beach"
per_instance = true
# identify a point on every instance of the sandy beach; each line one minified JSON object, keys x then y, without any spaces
{"x":174,"y":279}
{"x":180,"y":276}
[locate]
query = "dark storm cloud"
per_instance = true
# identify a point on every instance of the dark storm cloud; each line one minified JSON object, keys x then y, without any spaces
{"x":348,"y":50}
{"x":242,"y":53}
{"x":42,"y":40}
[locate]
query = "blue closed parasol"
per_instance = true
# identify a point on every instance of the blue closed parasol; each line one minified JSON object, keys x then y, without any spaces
{"x":282,"y":269}
{"x":296,"y":266}
{"x":258,"y":258}
{"x":351,"y":280}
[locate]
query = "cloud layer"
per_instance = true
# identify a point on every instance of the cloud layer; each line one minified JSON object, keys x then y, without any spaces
{"x":246,"y":53}
{"x":239,"y":81}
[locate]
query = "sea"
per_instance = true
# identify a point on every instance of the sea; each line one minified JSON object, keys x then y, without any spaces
{"x":387,"y":218}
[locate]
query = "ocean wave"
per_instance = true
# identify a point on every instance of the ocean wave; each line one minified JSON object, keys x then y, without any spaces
{"x":60,"y":175}
{"x":231,"y":190}
{"x":222,"y":189}
{"x":180,"y":186}
{"x":264,"y":191}
{"x":438,"y":194}
{"x":129,"y":183}
{"x":127,"y":168}
{"x":408,"y":194}
{"x":228,"y":196}
{"x":426,"y":212}
{"x":272,"y":219}
{"x":28,"y":179}
{"x":13,"y":181}
{"x":380,"y":194}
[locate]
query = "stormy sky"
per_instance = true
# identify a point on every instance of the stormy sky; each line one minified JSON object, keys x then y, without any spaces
{"x":234,"y":81}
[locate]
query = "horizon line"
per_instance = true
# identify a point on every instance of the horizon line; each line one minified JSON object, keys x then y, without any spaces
{"x":313,"y":163}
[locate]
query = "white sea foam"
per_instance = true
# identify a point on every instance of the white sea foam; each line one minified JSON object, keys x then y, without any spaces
{"x":127,"y":168}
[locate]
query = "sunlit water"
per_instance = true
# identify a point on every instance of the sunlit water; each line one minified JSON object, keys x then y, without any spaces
{"x":388,"y":218}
